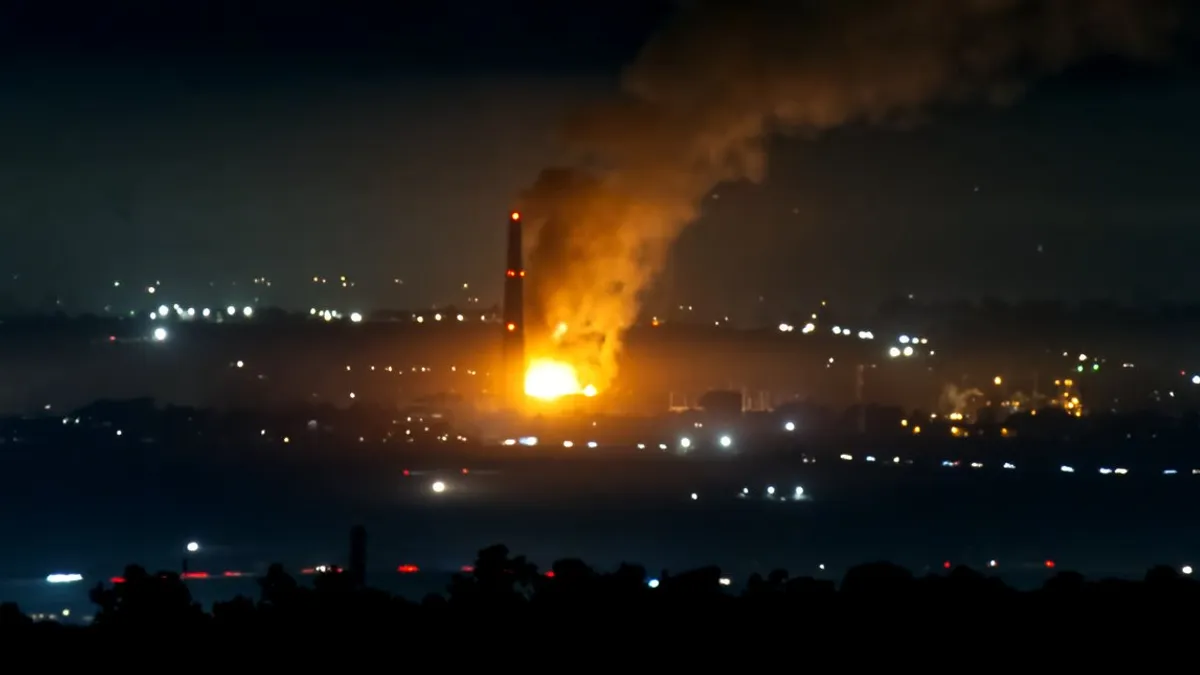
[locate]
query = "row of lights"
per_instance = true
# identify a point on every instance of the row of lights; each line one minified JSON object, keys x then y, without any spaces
{"x":165,"y":312}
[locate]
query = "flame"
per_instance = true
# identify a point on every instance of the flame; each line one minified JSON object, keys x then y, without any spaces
{"x":549,"y":379}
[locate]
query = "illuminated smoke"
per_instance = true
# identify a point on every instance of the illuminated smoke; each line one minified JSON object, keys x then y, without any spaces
{"x":955,"y":400}
{"x":703,"y":95}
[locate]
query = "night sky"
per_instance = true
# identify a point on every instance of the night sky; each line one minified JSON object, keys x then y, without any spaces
{"x":200,"y":146}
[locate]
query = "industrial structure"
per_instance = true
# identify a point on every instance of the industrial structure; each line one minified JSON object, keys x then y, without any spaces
{"x":513,"y":369}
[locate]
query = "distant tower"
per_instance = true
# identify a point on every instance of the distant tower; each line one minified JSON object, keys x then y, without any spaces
{"x":514,"y":318}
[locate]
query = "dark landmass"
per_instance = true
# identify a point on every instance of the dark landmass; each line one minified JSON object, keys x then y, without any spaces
{"x":508,"y":595}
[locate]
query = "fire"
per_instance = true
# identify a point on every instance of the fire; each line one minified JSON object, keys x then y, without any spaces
{"x":548,"y":380}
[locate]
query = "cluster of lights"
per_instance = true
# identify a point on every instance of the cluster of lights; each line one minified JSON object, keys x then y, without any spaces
{"x":906,"y":347}
{"x":862,"y":334}
{"x":165,"y":312}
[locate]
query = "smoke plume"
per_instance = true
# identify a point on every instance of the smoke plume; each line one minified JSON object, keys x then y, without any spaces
{"x":703,"y":95}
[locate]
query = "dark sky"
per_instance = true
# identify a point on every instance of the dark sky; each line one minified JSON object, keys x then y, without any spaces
{"x":211,"y":143}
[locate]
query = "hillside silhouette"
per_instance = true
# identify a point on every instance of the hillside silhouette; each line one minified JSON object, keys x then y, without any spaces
{"x":506,"y":594}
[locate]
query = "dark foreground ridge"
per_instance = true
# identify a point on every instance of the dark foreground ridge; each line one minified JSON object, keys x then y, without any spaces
{"x":507,"y":594}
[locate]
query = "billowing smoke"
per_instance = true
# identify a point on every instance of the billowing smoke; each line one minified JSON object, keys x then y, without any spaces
{"x":704,"y":94}
{"x":955,"y":400}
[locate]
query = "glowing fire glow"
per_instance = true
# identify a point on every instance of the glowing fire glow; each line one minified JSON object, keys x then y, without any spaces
{"x":548,"y":380}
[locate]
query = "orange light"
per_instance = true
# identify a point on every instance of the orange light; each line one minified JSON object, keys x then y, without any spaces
{"x":512,"y":327}
{"x":408,"y":569}
{"x":521,"y":274}
{"x":516,"y":215}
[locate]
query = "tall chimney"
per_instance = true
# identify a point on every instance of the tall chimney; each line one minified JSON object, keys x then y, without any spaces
{"x":513,"y":368}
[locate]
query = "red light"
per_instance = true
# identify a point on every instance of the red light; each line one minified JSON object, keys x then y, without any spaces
{"x":112,"y":338}
{"x":946,"y":565}
{"x":408,"y":569}
{"x":229,"y":573}
{"x":406,"y":473}
{"x":467,"y":568}
{"x":550,"y":574}
{"x":117,"y":580}
{"x":194,"y":575}
{"x":466,"y":471}
{"x":510,"y":274}
{"x":1049,"y":564}
{"x":515,"y":215}
{"x":308,"y":570}
{"x":511,"y":327}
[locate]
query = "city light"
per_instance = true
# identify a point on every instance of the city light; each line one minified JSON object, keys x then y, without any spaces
{"x":160,"y":334}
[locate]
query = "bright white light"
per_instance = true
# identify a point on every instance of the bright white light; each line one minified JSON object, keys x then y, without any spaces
{"x":593,"y":444}
{"x":191,"y":311}
{"x":870,"y":458}
{"x":726,"y":441}
{"x":509,"y":441}
{"x":460,"y":317}
{"x":1186,"y":569}
{"x":528,"y":440}
{"x":438,"y":486}
{"x":247,"y":312}
{"x":355,"y":317}
{"x":231,"y":310}
{"x":846,"y":457}
{"x":163,"y":309}
{"x":568,"y":444}
{"x":72,"y":578}
{"x":151,"y":290}
{"x":695,"y":496}
{"x":894,"y":352}
{"x":798,"y":493}
{"x":904,"y":339}
{"x":724,"y":581}
{"x":908,"y":351}
{"x":192,"y":546}
{"x":240,"y":363}
{"x":1120,"y":471}
{"x":160,"y":334}
{"x":1009,"y":465}
{"x":789,"y":426}
{"x":1196,"y":379}
{"x":1066,"y":469}
{"x":770,"y":489}
{"x":206,"y":312}
{"x":653,"y":583}
{"x":685,"y":442}
{"x":437,"y":317}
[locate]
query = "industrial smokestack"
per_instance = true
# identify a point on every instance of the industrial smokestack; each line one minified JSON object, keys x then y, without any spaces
{"x":513,"y":368}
